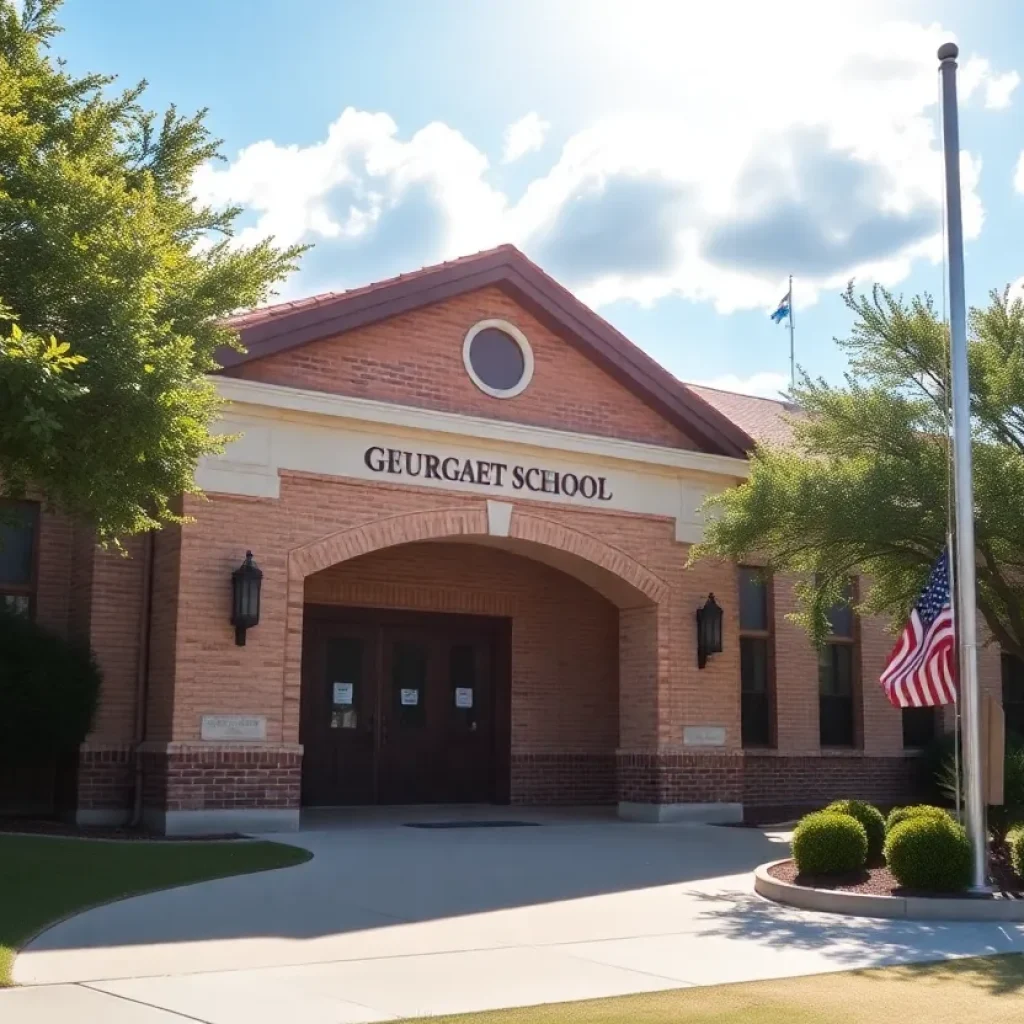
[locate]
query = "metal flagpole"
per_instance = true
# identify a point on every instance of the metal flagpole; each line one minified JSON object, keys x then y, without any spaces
{"x":965,"y":548}
{"x":956,"y":696}
{"x":792,"y":347}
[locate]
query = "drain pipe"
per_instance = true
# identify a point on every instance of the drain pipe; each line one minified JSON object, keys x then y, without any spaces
{"x":142,"y":675}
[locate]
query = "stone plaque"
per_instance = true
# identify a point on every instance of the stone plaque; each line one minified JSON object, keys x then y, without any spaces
{"x":704,"y":736}
{"x":234,"y":727}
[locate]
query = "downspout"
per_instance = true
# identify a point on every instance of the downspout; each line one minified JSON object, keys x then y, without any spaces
{"x":142,"y":675}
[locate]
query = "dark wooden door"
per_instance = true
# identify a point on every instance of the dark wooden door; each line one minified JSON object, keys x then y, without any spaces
{"x":466,"y":753}
{"x":339,"y":712}
{"x":399,"y":708}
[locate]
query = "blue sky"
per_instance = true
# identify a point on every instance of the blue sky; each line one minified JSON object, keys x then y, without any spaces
{"x":673,"y":162}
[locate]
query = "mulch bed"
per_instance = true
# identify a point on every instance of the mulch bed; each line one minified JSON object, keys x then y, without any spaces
{"x":877,"y":880}
{"x":46,"y":827}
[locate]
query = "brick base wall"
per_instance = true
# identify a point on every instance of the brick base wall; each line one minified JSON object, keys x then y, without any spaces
{"x":803,"y":783}
{"x":185,"y":777}
{"x":567,"y":779}
{"x":105,"y":778}
{"x":679,"y":778}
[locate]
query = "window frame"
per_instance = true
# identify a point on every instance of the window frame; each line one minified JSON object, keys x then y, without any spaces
{"x":30,"y":588}
{"x":768,"y":636}
{"x":853,"y":642}
{"x":524,"y":347}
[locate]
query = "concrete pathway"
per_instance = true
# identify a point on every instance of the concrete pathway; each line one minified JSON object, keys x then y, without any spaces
{"x":389,"y":921}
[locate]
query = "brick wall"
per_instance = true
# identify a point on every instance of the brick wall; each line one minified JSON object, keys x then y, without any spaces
{"x":416,"y":359}
{"x":189,"y":777}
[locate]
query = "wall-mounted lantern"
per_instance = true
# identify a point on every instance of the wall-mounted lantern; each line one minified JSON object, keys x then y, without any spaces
{"x":709,"y":630}
{"x":246,"y":581}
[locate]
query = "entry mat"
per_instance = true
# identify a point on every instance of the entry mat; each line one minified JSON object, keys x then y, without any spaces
{"x":471,"y":824}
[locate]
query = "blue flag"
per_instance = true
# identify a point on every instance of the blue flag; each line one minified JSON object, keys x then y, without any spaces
{"x":782,"y":312}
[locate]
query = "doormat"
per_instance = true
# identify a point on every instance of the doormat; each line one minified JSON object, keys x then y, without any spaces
{"x":471,"y":824}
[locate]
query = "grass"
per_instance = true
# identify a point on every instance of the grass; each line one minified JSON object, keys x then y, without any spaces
{"x":44,"y":880}
{"x":972,"y":991}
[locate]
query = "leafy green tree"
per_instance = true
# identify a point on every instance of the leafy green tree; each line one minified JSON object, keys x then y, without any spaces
{"x":863,"y":488}
{"x":112,"y":282}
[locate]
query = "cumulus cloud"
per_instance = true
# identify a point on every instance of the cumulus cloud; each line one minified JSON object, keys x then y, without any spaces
{"x":977,"y":77}
{"x":761,"y":385}
{"x":825,"y":166}
{"x":524,"y":136}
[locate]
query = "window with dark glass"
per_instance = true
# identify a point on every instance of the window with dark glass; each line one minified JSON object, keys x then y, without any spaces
{"x":497,"y":359}
{"x":838,"y":686}
{"x":18,"y":528}
{"x":756,"y":659}
{"x":1013,"y":694}
{"x":920,"y":726}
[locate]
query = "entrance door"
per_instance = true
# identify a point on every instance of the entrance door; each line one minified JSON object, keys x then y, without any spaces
{"x":399,"y":708}
{"x":338,"y":718}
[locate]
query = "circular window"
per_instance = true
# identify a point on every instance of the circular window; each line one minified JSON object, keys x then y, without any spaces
{"x":498,"y":358}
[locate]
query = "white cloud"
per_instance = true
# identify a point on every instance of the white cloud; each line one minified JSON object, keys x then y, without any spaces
{"x":1017,"y":290}
{"x":524,"y":136}
{"x":826,"y":166}
{"x":977,"y":75}
{"x":761,"y":385}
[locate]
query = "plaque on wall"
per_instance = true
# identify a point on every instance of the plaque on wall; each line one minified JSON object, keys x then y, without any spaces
{"x":234,"y":728}
{"x":704,"y":736}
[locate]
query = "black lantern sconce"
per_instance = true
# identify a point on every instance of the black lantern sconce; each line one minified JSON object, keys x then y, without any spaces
{"x":709,"y":630}
{"x":246,"y":581}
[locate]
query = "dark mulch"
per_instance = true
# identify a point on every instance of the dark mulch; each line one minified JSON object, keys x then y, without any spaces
{"x":47,"y":827}
{"x":877,"y":880}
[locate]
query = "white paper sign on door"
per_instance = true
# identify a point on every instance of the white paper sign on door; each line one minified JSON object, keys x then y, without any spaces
{"x":463,"y":696}
{"x":343,"y":693}
{"x":410,"y":698}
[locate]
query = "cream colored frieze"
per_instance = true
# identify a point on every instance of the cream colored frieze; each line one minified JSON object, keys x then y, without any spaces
{"x":289,"y":429}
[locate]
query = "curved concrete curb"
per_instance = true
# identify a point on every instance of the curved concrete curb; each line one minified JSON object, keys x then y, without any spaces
{"x":865,"y":905}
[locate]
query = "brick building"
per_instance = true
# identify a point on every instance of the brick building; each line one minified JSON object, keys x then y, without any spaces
{"x":472,"y":501}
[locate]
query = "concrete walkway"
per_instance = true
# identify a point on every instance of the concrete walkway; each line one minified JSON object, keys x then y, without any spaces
{"x":389,"y":921}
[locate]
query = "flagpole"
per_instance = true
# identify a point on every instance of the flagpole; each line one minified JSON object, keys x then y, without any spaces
{"x":967,"y":640}
{"x":792,"y":346}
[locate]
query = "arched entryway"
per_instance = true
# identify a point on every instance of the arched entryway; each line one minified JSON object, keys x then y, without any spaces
{"x":444,"y":660}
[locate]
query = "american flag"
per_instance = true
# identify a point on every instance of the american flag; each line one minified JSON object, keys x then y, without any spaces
{"x":920,"y":670}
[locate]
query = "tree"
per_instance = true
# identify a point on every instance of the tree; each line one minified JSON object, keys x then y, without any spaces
{"x":863,"y":489}
{"x":112,"y":283}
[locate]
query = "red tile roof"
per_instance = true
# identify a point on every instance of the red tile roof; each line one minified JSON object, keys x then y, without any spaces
{"x":766,"y":420}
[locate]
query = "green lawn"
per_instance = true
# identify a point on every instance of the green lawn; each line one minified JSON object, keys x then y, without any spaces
{"x":986,"y":989}
{"x":44,"y":880}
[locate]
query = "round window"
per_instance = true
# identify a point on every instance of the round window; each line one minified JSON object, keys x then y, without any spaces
{"x":498,"y":358}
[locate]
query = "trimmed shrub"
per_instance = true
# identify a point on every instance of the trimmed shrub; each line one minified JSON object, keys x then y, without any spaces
{"x":829,"y":843}
{"x":1015,"y":847}
{"x":901,"y":814}
{"x":929,"y":853}
{"x":872,"y":820}
{"x":48,"y":690}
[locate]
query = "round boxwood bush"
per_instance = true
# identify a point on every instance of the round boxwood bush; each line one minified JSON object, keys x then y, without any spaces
{"x":929,"y":853}
{"x":1015,"y":847}
{"x":901,"y":814}
{"x":829,"y":843}
{"x":48,"y":690}
{"x":870,"y":817}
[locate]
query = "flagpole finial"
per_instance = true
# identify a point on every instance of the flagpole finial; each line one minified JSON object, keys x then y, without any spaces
{"x":949,"y":51}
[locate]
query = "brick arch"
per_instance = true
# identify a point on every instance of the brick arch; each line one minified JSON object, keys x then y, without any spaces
{"x":437,"y":524}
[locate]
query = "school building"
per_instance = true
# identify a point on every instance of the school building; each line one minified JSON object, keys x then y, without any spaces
{"x":472,"y":503}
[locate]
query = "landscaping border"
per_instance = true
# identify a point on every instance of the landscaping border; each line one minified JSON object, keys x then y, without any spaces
{"x":925,"y":908}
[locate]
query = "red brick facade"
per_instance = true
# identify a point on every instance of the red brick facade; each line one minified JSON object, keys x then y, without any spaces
{"x":601,"y":600}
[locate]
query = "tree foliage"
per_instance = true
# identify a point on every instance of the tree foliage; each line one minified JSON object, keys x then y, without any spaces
{"x":864,"y":486}
{"x":112,"y":282}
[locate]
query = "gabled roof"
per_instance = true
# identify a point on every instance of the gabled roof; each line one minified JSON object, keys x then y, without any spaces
{"x":287,"y":325}
{"x":766,"y":420}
